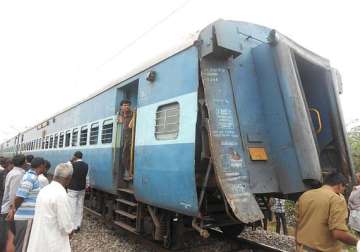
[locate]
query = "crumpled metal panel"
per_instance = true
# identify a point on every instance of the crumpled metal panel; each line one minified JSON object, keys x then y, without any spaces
{"x":225,"y":141}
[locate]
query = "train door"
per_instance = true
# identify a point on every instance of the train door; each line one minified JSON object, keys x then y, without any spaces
{"x":125,"y":137}
{"x":320,"y":93}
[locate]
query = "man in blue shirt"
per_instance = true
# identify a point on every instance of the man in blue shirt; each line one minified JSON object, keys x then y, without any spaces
{"x":23,"y":208}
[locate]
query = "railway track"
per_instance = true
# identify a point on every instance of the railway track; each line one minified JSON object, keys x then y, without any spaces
{"x":239,"y":244}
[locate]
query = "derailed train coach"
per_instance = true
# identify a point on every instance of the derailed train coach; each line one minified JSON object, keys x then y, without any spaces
{"x":240,"y":112}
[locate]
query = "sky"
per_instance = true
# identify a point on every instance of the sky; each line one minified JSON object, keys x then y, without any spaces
{"x":56,"y":53}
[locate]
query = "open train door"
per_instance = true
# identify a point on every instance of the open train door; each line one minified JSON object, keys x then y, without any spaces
{"x":311,"y":78}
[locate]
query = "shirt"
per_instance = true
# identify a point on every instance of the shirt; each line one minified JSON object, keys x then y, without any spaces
{"x":43,"y":181}
{"x":354,"y":199}
{"x":12,"y":182}
{"x":318,"y":212}
{"x":279,"y":205}
{"x":28,"y":190}
{"x":2,"y":183}
{"x":79,"y":179}
{"x":52,"y":221}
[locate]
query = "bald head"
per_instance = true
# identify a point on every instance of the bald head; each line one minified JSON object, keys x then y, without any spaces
{"x":63,"y":173}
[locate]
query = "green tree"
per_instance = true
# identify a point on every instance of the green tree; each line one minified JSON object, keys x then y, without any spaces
{"x":354,"y":140}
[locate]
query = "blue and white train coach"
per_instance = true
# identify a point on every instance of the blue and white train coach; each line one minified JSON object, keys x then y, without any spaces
{"x":240,"y":114}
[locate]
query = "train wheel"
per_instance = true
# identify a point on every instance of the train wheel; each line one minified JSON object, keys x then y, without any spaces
{"x":233,"y":230}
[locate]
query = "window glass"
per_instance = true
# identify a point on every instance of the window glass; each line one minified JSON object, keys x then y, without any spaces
{"x":56,"y":138}
{"x":75,"y":137}
{"x":67,"y":138}
{"x":107,"y":131}
{"x":51,"y":142}
{"x":94,"y":133}
{"x":47,"y":142}
{"x":83,"y":135}
{"x":43,"y":143}
{"x":61,"y":140}
{"x":167,"y":121}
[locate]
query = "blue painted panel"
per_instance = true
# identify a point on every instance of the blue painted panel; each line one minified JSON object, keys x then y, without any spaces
{"x":174,"y":76}
{"x":282,"y":141}
{"x":99,"y":161}
{"x":165,"y":177}
{"x":164,"y":169}
{"x":249,"y":106}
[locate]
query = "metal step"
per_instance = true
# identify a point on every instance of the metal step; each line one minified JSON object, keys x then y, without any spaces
{"x":126,"y":202}
{"x":126,"y":214}
{"x":126,"y":190}
{"x":125,"y":226}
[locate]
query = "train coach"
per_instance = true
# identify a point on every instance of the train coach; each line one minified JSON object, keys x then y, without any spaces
{"x":238,"y":113}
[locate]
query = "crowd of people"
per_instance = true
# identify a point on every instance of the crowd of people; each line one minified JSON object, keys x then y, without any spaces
{"x":40,"y":216}
{"x":37,"y":215}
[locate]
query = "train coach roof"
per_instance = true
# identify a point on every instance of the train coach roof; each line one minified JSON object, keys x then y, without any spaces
{"x":185,"y":43}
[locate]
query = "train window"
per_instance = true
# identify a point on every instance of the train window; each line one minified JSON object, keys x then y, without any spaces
{"x":61,"y":140}
{"x":47,"y":142}
{"x":167,"y":121}
{"x":75,"y":137}
{"x":107,"y":131}
{"x":94,"y":133}
{"x":51,"y":142}
{"x":56,"y":138}
{"x":83,"y":135}
{"x":67,"y":138}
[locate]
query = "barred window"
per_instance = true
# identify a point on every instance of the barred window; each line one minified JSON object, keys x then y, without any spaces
{"x":107,"y":131}
{"x":47,"y":142}
{"x":61,"y":140}
{"x":94,"y":133}
{"x":51,"y":142}
{"x":83,"y":135}
{"x":56,"y":138}
{"x":167,"y":121}
{"x":75,"y":137}
{"x":67,"y":138}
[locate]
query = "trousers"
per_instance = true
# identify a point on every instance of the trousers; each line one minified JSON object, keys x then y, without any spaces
{"x":76,"y":201}
{"x":281,"y":220}
{"x":22,"y":234}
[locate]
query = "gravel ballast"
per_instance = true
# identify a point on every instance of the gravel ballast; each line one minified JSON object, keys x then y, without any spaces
{"x":95,"y":236}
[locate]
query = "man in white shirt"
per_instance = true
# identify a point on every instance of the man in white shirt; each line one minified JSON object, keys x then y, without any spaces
{"x":12,"y":182}
{"x":42,"y":179}
{"x":52,"y":224}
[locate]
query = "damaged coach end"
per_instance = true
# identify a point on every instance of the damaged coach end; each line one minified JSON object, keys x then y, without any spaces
{"x":271,"y":118}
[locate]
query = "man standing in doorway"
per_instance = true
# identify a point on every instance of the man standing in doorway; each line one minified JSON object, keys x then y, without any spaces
{"x":126,"y":118}
{"x":76,"y":189}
